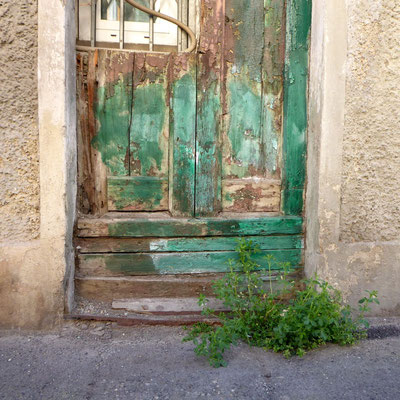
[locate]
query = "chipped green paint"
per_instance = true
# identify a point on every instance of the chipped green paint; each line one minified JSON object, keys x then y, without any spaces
{"x":148,"y":117}
{"x":274,"y":45}
{"x":209,"y":110}
{"x":247,"y":139}
{"x":137,"y":193}
{"x":217,"y":243}
{"x":295,"y":104}
{"x":182,"y":136}
{"x":203,"y":227}
{"x":113,"y":113}
{"x":248,"y":28}
{"x":178,"y":263}
{"x":244,"y":129}
{"x":208,"y":155}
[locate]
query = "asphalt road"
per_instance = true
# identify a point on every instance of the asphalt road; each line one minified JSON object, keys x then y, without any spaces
{"x":98,"y":361}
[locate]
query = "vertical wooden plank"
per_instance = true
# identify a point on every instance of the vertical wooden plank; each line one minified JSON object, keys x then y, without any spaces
{"x":92,"y":181}
{"x":149,"y":129}
{"x":208,"y":155}
{"x":182,"y":80}
{"x":243,"y":147}
{"x":113,"y":110}
{"x":273,"y":64}
{"x":147,"y":156}
{"x":295,"y":105}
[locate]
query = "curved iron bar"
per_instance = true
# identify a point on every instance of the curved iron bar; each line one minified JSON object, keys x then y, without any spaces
{"x":170,"y":19}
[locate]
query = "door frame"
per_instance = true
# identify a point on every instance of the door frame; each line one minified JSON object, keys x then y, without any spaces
{"x":57,"y":126}
{"x":294,"y":151}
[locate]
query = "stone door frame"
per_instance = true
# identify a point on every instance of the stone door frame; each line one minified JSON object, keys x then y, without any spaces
{"x":57,"y":130}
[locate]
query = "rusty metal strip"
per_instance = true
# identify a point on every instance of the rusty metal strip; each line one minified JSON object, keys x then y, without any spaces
{"x":179,"y":320}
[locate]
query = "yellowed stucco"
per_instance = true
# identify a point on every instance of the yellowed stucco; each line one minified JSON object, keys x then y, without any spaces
{"x":370,"y":204}
{"x":37,"y":162}
{"x":353,"y":201}
{"x":19,"y":155}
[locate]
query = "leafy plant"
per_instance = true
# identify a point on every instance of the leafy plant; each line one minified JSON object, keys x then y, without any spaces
{"x":260,"y":315}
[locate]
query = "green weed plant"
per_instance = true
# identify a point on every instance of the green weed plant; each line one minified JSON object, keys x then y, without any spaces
{"x":260,"y":316}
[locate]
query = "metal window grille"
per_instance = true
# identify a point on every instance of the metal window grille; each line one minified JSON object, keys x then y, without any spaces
{"x":102,"y":22}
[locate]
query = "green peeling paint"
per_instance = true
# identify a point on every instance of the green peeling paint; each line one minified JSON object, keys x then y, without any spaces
{"x":295,"y":104}
{"x":205,"y":227}
{"x":248,"y":23}
{"x":182,"y":131}
{"x":113,"y":113}
{"x":177,"y":263}
{"x":224,"y":243}
{"x":244,"y":128}
{"x":147,"y":127}
{"x":273,"y":81}
{"x":208,"y":174}
{"x":138,"y":193}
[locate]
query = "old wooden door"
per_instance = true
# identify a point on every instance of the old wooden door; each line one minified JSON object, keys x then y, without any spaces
{"x":181,"y":154}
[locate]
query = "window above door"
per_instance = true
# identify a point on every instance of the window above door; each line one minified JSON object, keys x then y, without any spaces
{"x":118,"y":24}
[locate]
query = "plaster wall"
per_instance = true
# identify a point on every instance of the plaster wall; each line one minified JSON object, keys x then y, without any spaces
{"x":36,"y":259}
{"x":19,"y":154}
{"x":352,"y":200}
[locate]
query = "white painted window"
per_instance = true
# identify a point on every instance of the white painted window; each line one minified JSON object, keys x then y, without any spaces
{"x":99,"y":23}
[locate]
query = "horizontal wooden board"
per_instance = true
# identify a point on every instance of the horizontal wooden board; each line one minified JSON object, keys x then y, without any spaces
{"x":139,"y":245}
{"x":247,"y":195}
{"x":108,"y":227}
{"x":108,"y":288}
{"x":137,"y":193}
{"x":175,"y":263}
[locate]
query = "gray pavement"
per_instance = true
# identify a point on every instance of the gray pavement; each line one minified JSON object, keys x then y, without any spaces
{"x":98,"y":361}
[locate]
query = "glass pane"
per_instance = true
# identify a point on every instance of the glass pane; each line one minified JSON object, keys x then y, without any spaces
{"x":110,"y":10}
{"x":135,"y":15}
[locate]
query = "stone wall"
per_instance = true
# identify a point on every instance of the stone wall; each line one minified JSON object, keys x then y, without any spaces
{"x":37,"y":194}
{"x":371,"y":142}
{"x":19,"y":157}
{"x":353,"y":197}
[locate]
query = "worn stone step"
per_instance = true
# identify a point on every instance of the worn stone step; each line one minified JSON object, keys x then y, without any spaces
{"x":162,"y":305}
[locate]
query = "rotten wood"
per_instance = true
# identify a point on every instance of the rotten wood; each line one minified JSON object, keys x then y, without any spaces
{"x":92,"y":181}
{"x":247,"y":195}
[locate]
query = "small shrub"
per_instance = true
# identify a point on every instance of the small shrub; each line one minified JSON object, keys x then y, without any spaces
{"x":260,"y":316}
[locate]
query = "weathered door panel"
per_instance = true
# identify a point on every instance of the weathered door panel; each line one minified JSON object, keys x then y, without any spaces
{"x":144,"y":111}
{"x":252,"y":133}
{"x":113,"y":109}
{"x":182,"y":81}
{"x":146,"y":187}
{"x":199,"y":142}
{"x":209,"y":108}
